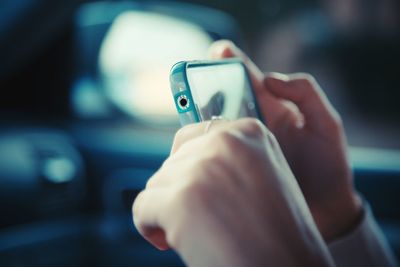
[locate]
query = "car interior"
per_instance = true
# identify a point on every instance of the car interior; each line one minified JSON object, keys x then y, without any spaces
{"x":86,"y":113}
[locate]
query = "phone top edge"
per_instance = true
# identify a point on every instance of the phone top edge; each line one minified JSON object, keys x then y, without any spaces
{"x":202,"y":63}
{"x":178,"y":67}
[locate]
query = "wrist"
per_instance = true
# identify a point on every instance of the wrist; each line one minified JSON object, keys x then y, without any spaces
{"x":339,"y":217}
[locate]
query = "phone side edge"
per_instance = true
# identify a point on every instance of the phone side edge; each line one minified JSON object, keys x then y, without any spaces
{"x":253,"y":92}
{"x":181,"y":90}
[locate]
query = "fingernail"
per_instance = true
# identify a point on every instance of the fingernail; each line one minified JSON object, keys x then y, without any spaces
{"x":220,"y":48}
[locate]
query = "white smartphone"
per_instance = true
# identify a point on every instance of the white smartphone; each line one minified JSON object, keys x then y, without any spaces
{"x":205,"y":89}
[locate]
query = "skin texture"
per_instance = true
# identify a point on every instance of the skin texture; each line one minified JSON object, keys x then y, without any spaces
{"x":312,"y":138}
{"x":234,"y":202}
{"x":243,"y":194}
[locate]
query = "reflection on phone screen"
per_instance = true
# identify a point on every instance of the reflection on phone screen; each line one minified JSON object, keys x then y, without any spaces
{"x":221,"y":90}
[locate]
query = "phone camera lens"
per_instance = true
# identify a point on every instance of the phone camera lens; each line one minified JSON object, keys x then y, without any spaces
{"x":183,"y":102}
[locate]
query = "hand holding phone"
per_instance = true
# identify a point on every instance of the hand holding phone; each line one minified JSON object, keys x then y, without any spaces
{"x":311,"y":135}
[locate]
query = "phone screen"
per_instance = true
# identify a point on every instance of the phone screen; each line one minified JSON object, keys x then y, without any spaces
{"x":221,"y":90}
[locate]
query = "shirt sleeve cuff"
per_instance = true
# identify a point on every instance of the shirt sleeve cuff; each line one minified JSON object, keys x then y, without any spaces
{"x":364,"y":246}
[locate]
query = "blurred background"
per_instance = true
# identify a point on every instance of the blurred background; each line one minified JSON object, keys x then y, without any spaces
{"x":86,"y":114}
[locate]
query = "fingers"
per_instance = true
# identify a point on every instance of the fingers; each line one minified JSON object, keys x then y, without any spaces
{"x":277,"y":92}
{"x":271,"y":108}
{"x":148,"y":218}
{"x":247,"y":126}
{"x":305,"y":93}
{"x":186,"y":133}
{"x":246,"y":129}
{"x":192,"y":131}
{"x":153,"y":207}
{"x":227,"y":49}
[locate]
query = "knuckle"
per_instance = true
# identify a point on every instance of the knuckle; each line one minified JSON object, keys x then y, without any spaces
{"x":254,"y":127}
{"x":185,"y":131}
{"x":229,"y":144}
{"x":179,"y":135}
{"x":224,"y":138}
{"x":151,"y":182}
{"x":136,"y":206}
{"x":239,"y":140}
{"x":177,"y":139}
{"x":157,"y":177}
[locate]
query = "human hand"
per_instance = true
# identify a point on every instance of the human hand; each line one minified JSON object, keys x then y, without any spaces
{"x":228,"y":198}
{"x":312,"y":138}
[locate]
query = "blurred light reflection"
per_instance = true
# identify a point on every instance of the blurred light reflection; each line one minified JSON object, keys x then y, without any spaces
{"x":136,"y":57}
